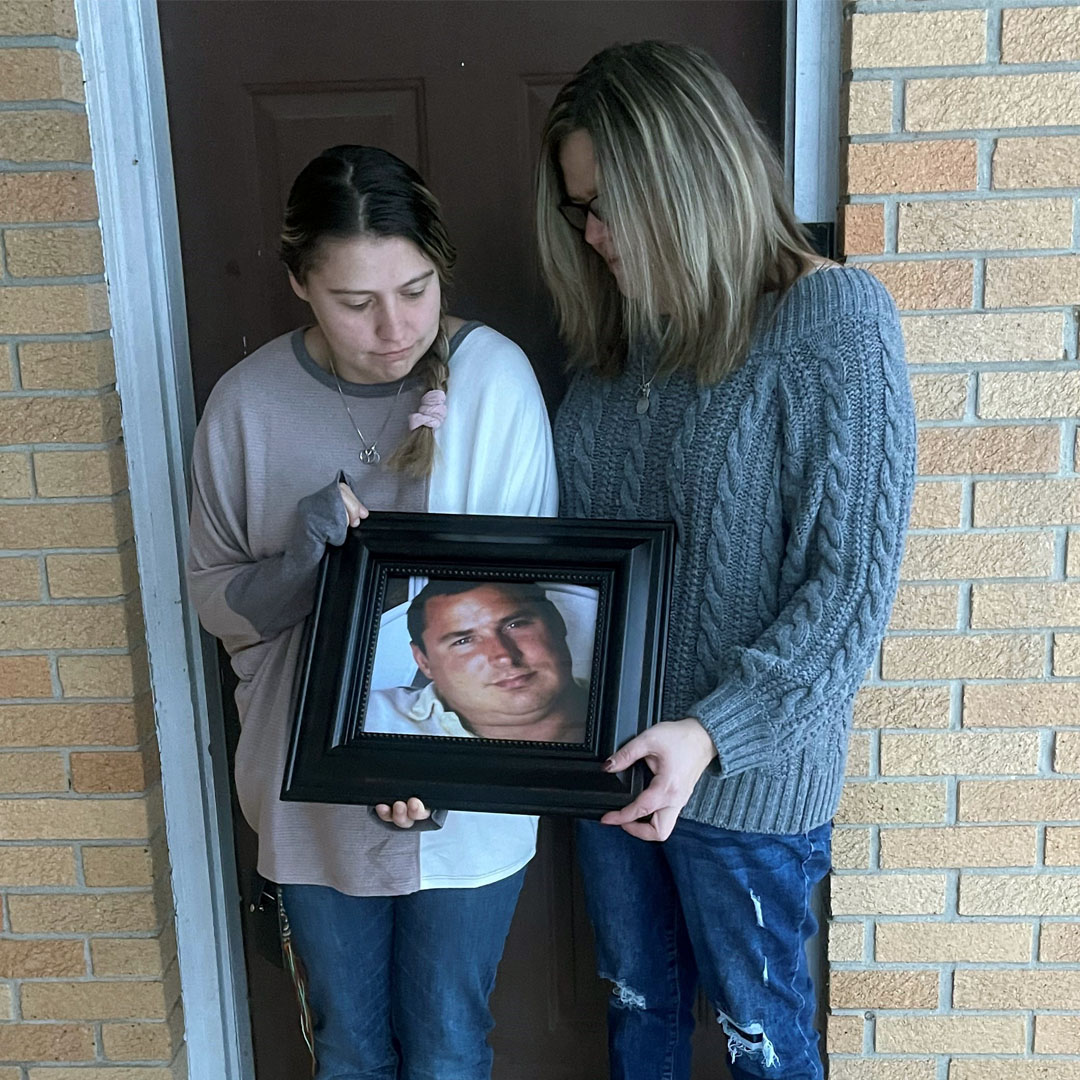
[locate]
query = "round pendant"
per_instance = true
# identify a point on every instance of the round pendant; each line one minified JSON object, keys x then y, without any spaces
{"x":642,"y":404}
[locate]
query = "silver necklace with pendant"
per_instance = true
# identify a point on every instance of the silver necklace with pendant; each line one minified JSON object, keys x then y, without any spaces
{"x":370,"y":454}
{"x":644,"y":390}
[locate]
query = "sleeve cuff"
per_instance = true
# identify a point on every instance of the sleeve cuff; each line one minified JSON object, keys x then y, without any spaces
{"x":738,"y":726}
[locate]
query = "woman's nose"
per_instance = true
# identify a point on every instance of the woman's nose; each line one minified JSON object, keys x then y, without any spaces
{"x":596,"y":233}
{"x":391,"y":323}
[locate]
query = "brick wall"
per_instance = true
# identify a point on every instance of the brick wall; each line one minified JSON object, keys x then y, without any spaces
{"x":87,"y":954}
{"x":955,"y":937}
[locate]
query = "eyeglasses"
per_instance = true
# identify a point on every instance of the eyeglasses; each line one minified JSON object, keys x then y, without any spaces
{"x":577,"y":214}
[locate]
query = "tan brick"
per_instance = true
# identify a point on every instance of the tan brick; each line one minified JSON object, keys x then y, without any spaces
{"x":1027,"y":502}
{"x":53,"y":309}
{"x":887,"y":894}
{"x":21,"y":866}
{"x":965,"y":450}
{"x":72,"y":819}
{"x":40,"y":75}
{"x":93,"y":1001}
{"x":893,"y":167}
{"x":6,"y":381}
{"x":25,"y":677}
{"x":106,"y":575}
{"x":845,"y":942}
{"x":41,"y":419}
{"x":47,"y":197}
{"x":1020,"y":894}
{"x":64,"y":626}
{"x":73,"y":725}
{"x":940,"y":397}
{"x":14,"y":476}
{"x":108,"y":913}
{"x":1019,"y":800}
{"x":950,"y":1034}
{"x":1036,"y":394}
{"x":1059,"y":943}
{"x":1067,"y":752}
{"x":902,"y":707}
{"x":938,"y":504}
{"x":142,"y":1042}
{"x":1012,"y":989}
{"x":1057,"y":1034}
{"x":863,"y":227}
{"x":1072,"y":561}
{"x":67,"y":365}
{"x":40,"y":960}
{"x":985,"y":224}
{"x":134,"y":956}
{"x":53,"y":252}
{"x":178,"y":1071}
{"x":925,"y":607}
{"x":106,"y":772}
{"x":1024,"y":705}
{"x":953,"y":656}
{"x":1002,"y":606}
{"x":926,"y":283}
{"x":103,"y":676}
{"x":881,"y":1069}
{"x":1040,"y":35}
{"x":869,"y":107}
{"x":952,"y":943}
{"x":935,"y":556}
{"x":1045,"y":161}
{"x":46,"y":1042}
{"x":23,"y":773}
{"x":1062,"y":846}
{"x":983,"y":339}
{"x":959,"y":753}
{"x":1012,"y":1069}
{"x":954,"y":846}
{"x":873,"y":803}
{"x":992,"y":101}
{"x":877,"y":989}
{"x":1038,"y":281}
{"x":112,"y":867}
{"x":44,"y":135}
{"x":844,"y":1034}
{"x":100,"y":524}
{"x":29,"y":18}
{"x":62,"y":473}
{"x":851,"y":848}
{"x":20,"y":578}
{"x":858,"y":757}
{"x":924,"y":39}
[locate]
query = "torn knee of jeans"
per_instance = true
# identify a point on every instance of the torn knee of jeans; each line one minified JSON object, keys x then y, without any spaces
{"x":748,"y":1039}
{"x":626,"y":997}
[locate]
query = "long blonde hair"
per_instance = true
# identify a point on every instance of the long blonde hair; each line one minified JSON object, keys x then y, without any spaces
{"x":351,"y":191}
{"x":693,"y":196}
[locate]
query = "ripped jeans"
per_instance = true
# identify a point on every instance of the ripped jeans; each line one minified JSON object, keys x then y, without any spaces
{"x":730,"y":910}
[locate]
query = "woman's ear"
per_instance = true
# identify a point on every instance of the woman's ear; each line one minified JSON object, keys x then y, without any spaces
{"x":298,"y":288}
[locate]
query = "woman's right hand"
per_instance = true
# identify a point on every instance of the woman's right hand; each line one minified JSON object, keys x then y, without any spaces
{"x":403,"y":814}
{"x":354,"y":508}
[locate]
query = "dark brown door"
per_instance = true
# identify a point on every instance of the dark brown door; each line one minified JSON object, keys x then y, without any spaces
{"x":459,"y":89}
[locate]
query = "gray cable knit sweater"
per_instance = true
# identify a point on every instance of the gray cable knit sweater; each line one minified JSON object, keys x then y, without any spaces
{"x":790,"y":484}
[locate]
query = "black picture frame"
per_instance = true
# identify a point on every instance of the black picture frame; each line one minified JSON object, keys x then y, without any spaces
{"x":331,"y":759}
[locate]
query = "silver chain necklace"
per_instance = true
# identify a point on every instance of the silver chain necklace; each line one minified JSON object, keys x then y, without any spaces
{"x":644,"y":389}
{"x":370,"y":454}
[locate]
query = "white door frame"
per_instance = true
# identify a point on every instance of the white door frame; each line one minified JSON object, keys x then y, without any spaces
{"x":125,"y":98}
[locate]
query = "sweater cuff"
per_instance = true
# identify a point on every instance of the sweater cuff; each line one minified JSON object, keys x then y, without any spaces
{"x":738,"y":726}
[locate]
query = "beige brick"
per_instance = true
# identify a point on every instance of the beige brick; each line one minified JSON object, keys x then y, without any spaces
{"x":1002,"y":606}
{"x":1012,"y":1069}
{"x":1062,"y":846}
{"x":877,"y":989}
{"x":936,"y":556}
{"x":863,"y":228}
{"x":46,"y":1042}
{"x":40,"y":960}
{"x":64,"y":626}
{"x":6,"y":381}
{"x":873,"y":803}
{"x":1059,"y":943}
{"x":965,"y":450}
{"x":53,"y":252}
{"x":80,"y":472}
{"x":44,"y":135}
{"x":73,"y":725}
{"x":1012,"y":989}
{"x":940,"y":397}
{"x":1044,"y":161}
{"x":40,"y":75}
{"x":894,"y":167}
{"x":851,"y":848}
{"x":925,"y":607}
{"x":1036,"y":394}
{"x":1072,"y":562}
{"x":887,"y":894}
{"x":959,"y":753}
{"x":954,"y":846}
{"x":844,"y":1034}
{"x":25,"y":677}
{"x":20,"y":578}
{"x":985,"y":224}
{"x":101,"y":524}
{"x":1040,"y":35}
{"x":14,"y":476}
{"x":178,"y":1071}
{"x":992,"y":101}
{"x":1027,"y":894}
{"x":1025,"y":705}
{"x":142,"y":1042}
{"x":53,"y":309}
{"x":845,"y":942}
{"x":983,"y":339}
{"x":42,"y":419}
{"x":953,"y":656}
{"x":1067,"y":752}
{"x":902,"y":707}
{"x":21,"y":866}
{"x":112,"y":574}
{"x":67,"y":365}
{"x":72,"y":819}
{"x":93,"y":1001}
{"x":869,"y":107}
{"x":105,"y":772}
{"x":1019,"y":800}
{"x":24,"y":773}
{"x":952,"y":943}
{"x":47,"y":197}
{"x":29,"y":18}
{"x":112,"y":867}
{"x":134,"y":956}
{"x":1057,"y":1034}
{"x":858,"y":757}
{"x":1037,"y":281}
{"x":938,"y":504}
{"x":108,"y":913}
{"x":881,"y":1069}
{"x":924,"y":39}
{"x":1027,"y":502}
{"x":103,"y":676}
{"x":949,"y":1034}
{"x":926,"y":283}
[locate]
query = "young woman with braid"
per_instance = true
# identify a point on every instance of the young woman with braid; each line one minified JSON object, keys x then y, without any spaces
{"x":728,"y":379}
{"x":400,"y":928}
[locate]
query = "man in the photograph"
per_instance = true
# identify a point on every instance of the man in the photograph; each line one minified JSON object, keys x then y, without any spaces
{"x":498,"y":663}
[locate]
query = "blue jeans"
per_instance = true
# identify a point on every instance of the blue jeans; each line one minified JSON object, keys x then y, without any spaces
{"x":399,"y":985}
{"x":728,"y":909}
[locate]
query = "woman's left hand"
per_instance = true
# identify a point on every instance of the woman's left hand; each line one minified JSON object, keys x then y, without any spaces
{"x":403,"y":814}
{"x":678,"y":752}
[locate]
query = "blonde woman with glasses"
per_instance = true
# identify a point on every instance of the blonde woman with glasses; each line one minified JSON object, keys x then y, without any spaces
{"x":731,"y":380}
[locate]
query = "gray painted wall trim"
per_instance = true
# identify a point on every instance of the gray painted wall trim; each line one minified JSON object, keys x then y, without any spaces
{"x":125,"y":91}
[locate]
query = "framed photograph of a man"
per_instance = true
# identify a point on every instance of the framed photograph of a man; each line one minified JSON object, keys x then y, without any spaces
{"x":482,"y":663}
